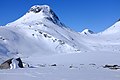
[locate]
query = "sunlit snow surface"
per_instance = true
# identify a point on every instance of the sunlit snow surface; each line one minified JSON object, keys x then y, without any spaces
{"x":60,"y":73}
{"x":80,"y":66}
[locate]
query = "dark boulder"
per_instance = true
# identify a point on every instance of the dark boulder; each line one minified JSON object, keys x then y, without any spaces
{"x":10,"y":63}
{"x":6,"y":64}
{"x":20,"y":64}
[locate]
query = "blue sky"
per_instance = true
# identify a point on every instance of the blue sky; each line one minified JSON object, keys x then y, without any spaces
{"x":96,"y":15}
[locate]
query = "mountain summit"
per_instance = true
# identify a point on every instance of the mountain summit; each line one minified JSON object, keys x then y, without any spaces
{"x":44,"y":9}
{"x":87,"y":31}
{"x":39,"y":13}
{"x":40,"y":8}
{"x":118,"y":19}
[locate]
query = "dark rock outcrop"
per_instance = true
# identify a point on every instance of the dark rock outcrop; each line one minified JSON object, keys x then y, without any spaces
{"x":118,"y":19}
{"x":114,"y":67}
{"x":6,"y":64}
{"x":20,"y":64}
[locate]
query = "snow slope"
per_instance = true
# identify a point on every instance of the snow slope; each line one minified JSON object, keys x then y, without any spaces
{"x":39,"y":26}
{"x":114,"y":29}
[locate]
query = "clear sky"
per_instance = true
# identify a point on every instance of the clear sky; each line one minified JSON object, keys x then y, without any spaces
{"x":96,"y":15}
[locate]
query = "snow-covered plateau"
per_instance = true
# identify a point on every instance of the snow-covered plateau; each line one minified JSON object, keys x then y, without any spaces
{"x":50,"y":50}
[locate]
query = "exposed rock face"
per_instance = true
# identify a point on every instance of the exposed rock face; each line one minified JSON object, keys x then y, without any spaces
{"x":20,"y":64}
{"x":118,"y":19}
{"x":46,"y":10}
{"x":6,"y":64}
{"x":114,"y":67}
{"x":12,"y":64}
{"x":87,"y":31}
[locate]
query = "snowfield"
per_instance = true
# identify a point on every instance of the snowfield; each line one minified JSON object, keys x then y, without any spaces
{"x":60,"y":73}
{"x":78,"y":66}
{"x":52,"y":51}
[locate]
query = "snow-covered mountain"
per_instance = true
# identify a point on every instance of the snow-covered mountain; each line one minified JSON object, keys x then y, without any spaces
{"x":114,"y":29}
{"x":40,"y":32}
{"x":87,"y":31}
{"x":48,"y":50}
